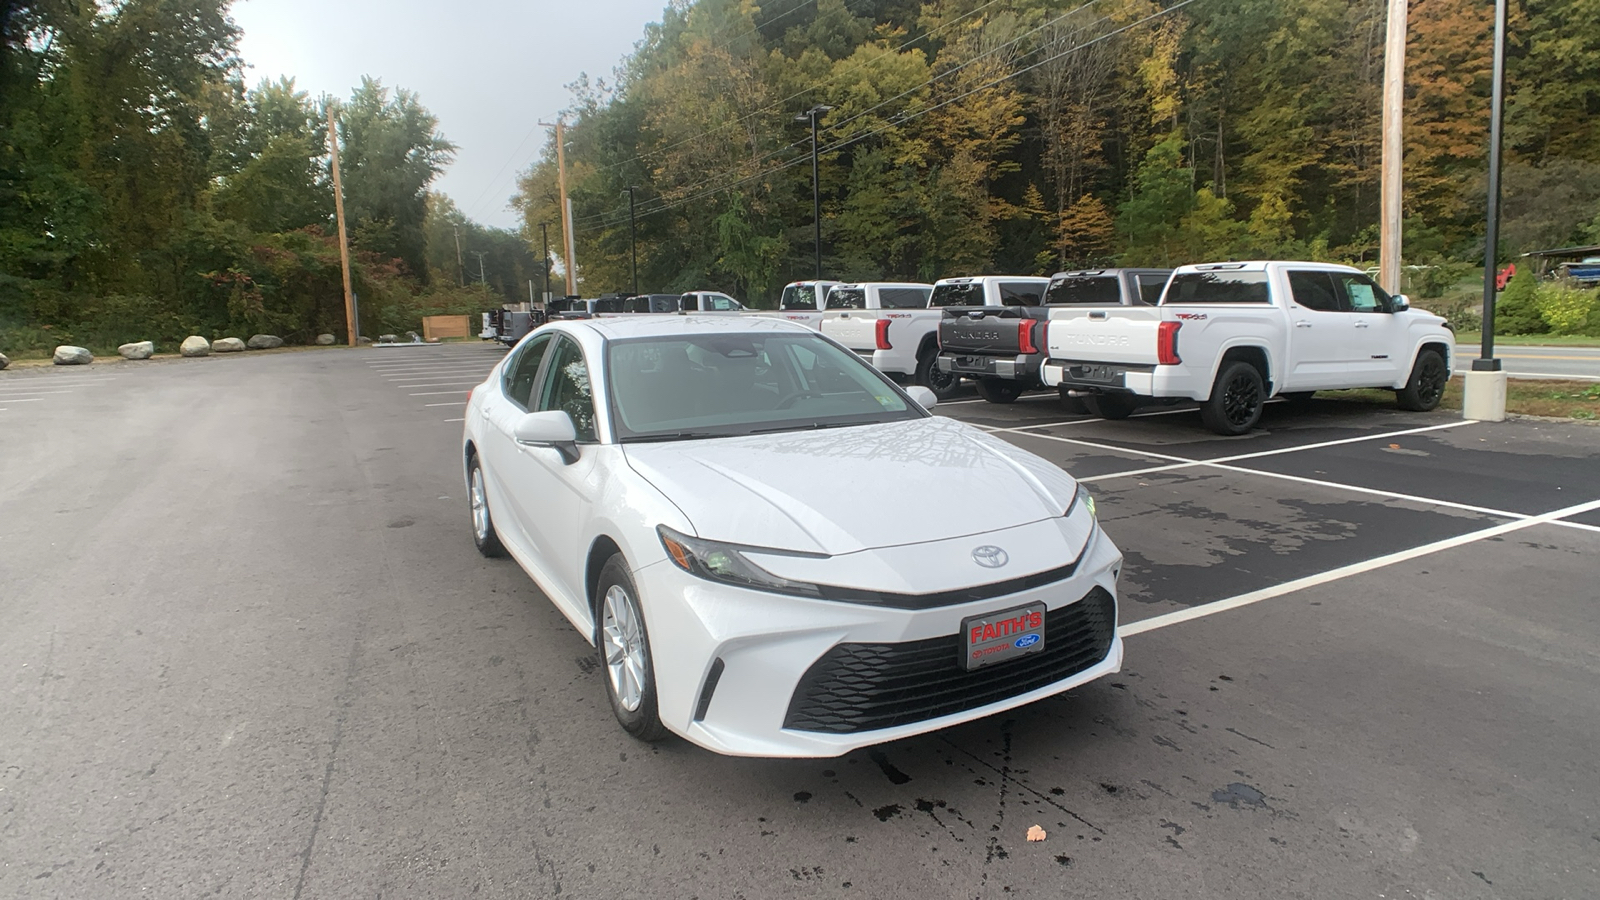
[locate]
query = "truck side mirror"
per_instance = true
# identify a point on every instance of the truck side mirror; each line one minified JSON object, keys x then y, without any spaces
{"x":1400,"y":302}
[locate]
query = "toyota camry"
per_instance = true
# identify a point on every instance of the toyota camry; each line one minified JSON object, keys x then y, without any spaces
{"x":776,"y":550}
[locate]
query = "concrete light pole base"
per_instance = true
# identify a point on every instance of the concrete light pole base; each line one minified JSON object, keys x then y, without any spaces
{"x":1485,"y":397}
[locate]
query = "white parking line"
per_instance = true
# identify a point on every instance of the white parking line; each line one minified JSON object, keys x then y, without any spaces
{"x":13,"y":397}
{"x":455,"y":420}
{"x":1289,"y":587}
{"x":438,"y":383}
{"x":439,"y":393}
{"x":464,"y":370}
{"x":451,"y":403}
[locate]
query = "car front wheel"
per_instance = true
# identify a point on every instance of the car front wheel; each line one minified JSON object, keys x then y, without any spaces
{"x":624,"y":648}
{"x":1426,"y":388}
{"x":484,"y":536}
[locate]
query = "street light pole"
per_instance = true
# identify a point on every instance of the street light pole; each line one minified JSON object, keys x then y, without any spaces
{"x":544,"y":231}
{"x":816,"y":190}
{"x":633,"y":239}
{"x":1485,"y":396}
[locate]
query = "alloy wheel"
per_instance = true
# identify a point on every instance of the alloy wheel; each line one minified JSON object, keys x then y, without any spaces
{"x":624,"y":647}
{"x":1430,"y":384}
{"x":1240,"y":399}
{"x":480,"y":506}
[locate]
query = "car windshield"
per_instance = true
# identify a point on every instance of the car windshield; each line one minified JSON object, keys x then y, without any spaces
{"x":798,"y":296}
{"x":721,"y":385}
{"x":1088,"y":289}
{"x":968,"y":293}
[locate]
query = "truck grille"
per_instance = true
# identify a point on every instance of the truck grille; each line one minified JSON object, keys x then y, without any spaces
{"x":864,"y":687}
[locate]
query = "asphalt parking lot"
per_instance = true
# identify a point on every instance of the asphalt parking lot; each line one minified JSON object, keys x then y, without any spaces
{"x":248,"y":650}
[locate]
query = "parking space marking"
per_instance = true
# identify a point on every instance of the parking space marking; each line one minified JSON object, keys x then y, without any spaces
{"x":456,"y":420}
{"x":1181,"y":463}
{"x":13,"y":399}
{"x":1321,"y":578}
{"x":438,"y":383}
{"x":439,"y":393}
{"x":451,"y":403}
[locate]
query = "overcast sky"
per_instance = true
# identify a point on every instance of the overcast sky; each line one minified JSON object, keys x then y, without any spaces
{"x":489,"y":69}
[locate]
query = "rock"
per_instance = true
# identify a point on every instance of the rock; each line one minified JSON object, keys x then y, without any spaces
{"x":387,"y":338}
{"x":326,"y":340}
{"x":67,"y":355}
{"x":227,"y":345}
{"x":4,"y":361}
{"x":264,"y":342}
{"x":194,"y":345}
{"x":363,"y":340}
{"x":139,"y":350}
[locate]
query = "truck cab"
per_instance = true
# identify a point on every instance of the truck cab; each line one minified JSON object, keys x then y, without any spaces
{"x":802,"y":302}
{"x":890,"y":325}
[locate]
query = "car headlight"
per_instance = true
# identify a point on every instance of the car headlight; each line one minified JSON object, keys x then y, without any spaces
{"x":717,"y":561}
{"x":1084,"y":499}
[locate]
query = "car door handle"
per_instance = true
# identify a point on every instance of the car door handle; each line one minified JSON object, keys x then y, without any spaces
{"x":1302,"y":324}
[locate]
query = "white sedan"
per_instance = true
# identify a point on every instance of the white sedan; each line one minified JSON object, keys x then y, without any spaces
{"x":776,"y":550}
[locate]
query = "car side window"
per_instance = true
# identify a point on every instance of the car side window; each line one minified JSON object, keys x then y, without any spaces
{"x":1020,"y":293}
{"x":1314,"y":290}
{"x":689,"y":302}
{"x":719,"y":304}
{"x":521,"y":371}
{"x":566,"y":387}
{"x":1362,"y":294}
{"x":1150,"y":287}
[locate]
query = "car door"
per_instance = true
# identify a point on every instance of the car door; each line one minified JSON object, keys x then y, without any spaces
{"x":1378,"y":350}
{"x":553,"y":497}
{"x":506,"y":403}
{"x":1318,"y":332}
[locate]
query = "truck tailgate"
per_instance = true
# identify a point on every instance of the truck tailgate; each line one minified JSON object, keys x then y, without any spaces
{"x":854,"y":328}
{"x":981,"y":330}
{"x":1124,"y":335}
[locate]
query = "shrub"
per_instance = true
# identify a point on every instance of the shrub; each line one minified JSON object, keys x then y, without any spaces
{"x":1565,"y":309}
{"x":1516,"y":311}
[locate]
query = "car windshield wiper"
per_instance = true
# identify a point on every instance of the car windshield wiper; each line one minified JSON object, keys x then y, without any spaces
{"x":808,"y":426}
{"x":672,"y":436}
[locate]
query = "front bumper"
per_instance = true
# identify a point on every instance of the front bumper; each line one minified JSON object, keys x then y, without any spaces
{"x":768,"y":643}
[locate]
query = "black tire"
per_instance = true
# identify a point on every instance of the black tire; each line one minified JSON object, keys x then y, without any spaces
{"x":615,"y":634}
{"x":1073,"y":406}
{"x":998,"y":390}
{"x":1425,"y":389}
{"x":1298,"y":397}
{"x":484,"y":536}
{"x":1111,"y":406}
{"x":1234,"y":406}
{"x":943,"y":384}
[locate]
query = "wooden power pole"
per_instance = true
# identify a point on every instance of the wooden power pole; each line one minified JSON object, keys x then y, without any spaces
{"x":1394,"y":100}
{"x":567,"y":244}
{"x":338,"y":211}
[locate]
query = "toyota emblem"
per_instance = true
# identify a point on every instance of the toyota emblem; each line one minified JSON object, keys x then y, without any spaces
{"x":990,"y":556}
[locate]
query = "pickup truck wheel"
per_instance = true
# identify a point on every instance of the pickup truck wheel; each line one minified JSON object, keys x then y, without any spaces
{"x":998,"y":390}
{"x":1426,"y":387}
{"x":1111,"y":406}
{"x":1234,"y":406}
{"x":943,"y":384}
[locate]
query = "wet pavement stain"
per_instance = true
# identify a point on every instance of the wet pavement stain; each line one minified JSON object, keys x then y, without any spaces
{"x":1239,"y":793}
{"x":802,"y":796}
{"x":885,"y":813}
{"x":894,"y":775}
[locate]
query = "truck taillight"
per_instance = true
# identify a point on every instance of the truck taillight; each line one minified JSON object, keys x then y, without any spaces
{"x":883,"y":335}
{"x":1025,"y":336}
{"x":1167,"y":344}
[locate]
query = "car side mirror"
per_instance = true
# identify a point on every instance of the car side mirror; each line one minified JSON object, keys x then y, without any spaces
{"x":925,"y":398}
{"x":1400,"y":302}
{"x":550,"y":428}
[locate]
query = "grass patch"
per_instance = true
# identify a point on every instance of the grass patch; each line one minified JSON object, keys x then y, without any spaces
{"x":1524,"y":397}
{"x":1529,"y":340}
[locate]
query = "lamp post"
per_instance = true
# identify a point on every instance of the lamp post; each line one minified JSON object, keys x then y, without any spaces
{"x":1485,"y":397}
{"x":816,"y":191}
{"x":633,"y":239}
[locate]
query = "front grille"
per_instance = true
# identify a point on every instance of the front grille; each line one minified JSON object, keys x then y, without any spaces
{"x":864,"y":687}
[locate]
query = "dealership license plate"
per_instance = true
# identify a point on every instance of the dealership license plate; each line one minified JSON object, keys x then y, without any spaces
{"x":1101,"y":374}
{"x":1000,"y":636}
{"x":974,"y":363}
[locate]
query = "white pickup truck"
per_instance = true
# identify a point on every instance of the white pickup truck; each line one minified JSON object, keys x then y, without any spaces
{"x":1232,"y":335}
{"x":890,"y":325}
{"x":801,"y":301}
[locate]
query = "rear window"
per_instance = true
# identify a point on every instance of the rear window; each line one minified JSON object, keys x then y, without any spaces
{"x":1217,"y":287}
{"x":966,"y":294}
{"x":903,"y":298}
{"x":798,"y":296}
{"x":847,"y":298}
{"x":608,"y":305}
{"x":1150,"y":287}
{"x":1100,"y":289}
{"x":1021,"y":293}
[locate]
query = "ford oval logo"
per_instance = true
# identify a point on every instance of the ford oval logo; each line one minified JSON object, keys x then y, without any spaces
{"x":1027,"y":640}
{"x":990,"y":556}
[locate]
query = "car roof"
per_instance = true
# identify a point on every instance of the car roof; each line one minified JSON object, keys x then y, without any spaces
{"x":624,"y":327}
{"x":1260,"y":265}
{"x":966,"y":279}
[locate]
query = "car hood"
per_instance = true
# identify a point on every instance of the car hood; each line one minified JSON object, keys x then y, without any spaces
{"x":842,"y":490}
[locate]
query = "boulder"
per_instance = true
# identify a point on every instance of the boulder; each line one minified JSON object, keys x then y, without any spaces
{"x":363,"y":340}
{"x":194,"y":345}
{"x":326,"y":340}
{"x":264,"y":342}
{"x":67,"y":355}
{"x":387,"y":338}
{"x":138,"y":350}
{"x":4,"y":361}
{"x":227,"y":345}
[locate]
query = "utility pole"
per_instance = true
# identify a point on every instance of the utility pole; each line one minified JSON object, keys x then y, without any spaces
{"x":633,"y":239}
{"x":566,"y":205}
{"x":1394,"y":97}
{"x":1485,"y":396}
{"x":482,"y":278}
{"x":461,"y":270}
{"x":544,"y":230}
{"x":338,"y":209}
{"x":816,"y":189}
